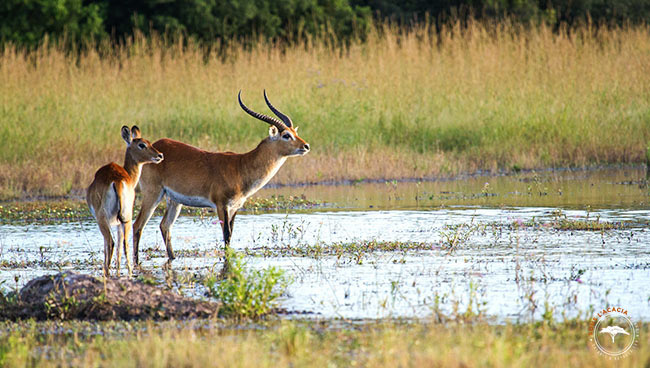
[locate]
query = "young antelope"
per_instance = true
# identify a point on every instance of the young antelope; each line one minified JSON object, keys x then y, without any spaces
{"x":111,"y":194}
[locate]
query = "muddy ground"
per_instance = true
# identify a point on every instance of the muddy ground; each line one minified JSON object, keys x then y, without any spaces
{"x":69,"y":295}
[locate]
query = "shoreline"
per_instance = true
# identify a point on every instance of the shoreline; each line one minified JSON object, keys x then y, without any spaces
{"x":462,"y":176}
{"x":78,"y":195}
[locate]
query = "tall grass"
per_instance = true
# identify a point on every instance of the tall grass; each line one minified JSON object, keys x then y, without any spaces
{"x":399,"y":104}
{"x":292,"y":344}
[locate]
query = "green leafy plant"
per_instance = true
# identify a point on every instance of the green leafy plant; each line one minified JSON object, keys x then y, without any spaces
{"x":63,"y":307}
{"x":8,"y":299}
{"x":247,"y":293}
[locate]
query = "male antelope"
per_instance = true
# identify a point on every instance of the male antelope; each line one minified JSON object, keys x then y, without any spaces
{"x":111,"y":195}
{"x":219,"y":180}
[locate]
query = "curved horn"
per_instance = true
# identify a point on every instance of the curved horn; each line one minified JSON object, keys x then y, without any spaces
{"x":287,"y":120}
{"x":267,"y":119}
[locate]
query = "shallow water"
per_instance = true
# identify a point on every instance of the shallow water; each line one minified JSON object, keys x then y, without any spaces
{"x":605,"y":188}
{"x":505,"y":271}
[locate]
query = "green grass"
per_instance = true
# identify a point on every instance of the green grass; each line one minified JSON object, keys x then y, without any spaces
{"x":298,"y":344}
{"x":401,"y":104}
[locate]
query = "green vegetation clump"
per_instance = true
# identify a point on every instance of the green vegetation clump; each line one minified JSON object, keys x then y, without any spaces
{"x":246,"y":293}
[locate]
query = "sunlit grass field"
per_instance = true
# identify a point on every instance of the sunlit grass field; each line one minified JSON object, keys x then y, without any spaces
{"x":295,"y":344}
{"x":401,"y":104}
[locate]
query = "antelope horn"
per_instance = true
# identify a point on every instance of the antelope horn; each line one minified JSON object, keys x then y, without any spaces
{"x":267,"y":119}
{"x":287,"y":120}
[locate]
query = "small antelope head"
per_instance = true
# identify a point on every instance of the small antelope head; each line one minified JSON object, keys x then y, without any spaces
{"x":139,"y":148}
{"x":283,"y":134}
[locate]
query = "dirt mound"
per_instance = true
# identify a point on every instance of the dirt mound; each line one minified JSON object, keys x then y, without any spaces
{"x":69,"y":295}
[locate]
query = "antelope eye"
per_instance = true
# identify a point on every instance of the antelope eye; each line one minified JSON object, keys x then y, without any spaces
{"x":287,"y":136}
{"x":142,"y":146}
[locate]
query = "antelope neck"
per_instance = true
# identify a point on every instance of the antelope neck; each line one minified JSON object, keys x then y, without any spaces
{"x":132,"y":167}
{"x":262,"y":165}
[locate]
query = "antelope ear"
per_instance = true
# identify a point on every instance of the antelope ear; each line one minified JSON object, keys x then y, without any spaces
{"x":273,"y":132}
{"x":135,"y":132}
{"x":295,"y":129}
{"x":126,"y":134}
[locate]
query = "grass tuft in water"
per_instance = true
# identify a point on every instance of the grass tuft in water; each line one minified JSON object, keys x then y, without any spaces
{"x":354,"y":251}
{"x":278,"y":202}
{"x":560,"y":221}
{"x":244,"y":292}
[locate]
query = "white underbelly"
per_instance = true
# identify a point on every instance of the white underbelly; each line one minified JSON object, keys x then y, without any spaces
{"x":237,"y":203}
{"x":186,"y":200}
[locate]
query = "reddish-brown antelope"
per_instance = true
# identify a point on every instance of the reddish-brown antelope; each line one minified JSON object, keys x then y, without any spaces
{"x":219,"y":180}
{"x":111,"y":195}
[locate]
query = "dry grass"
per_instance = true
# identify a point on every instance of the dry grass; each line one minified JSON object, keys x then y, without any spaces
{"x":400,"y":104}
{"x":291,"y":344}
